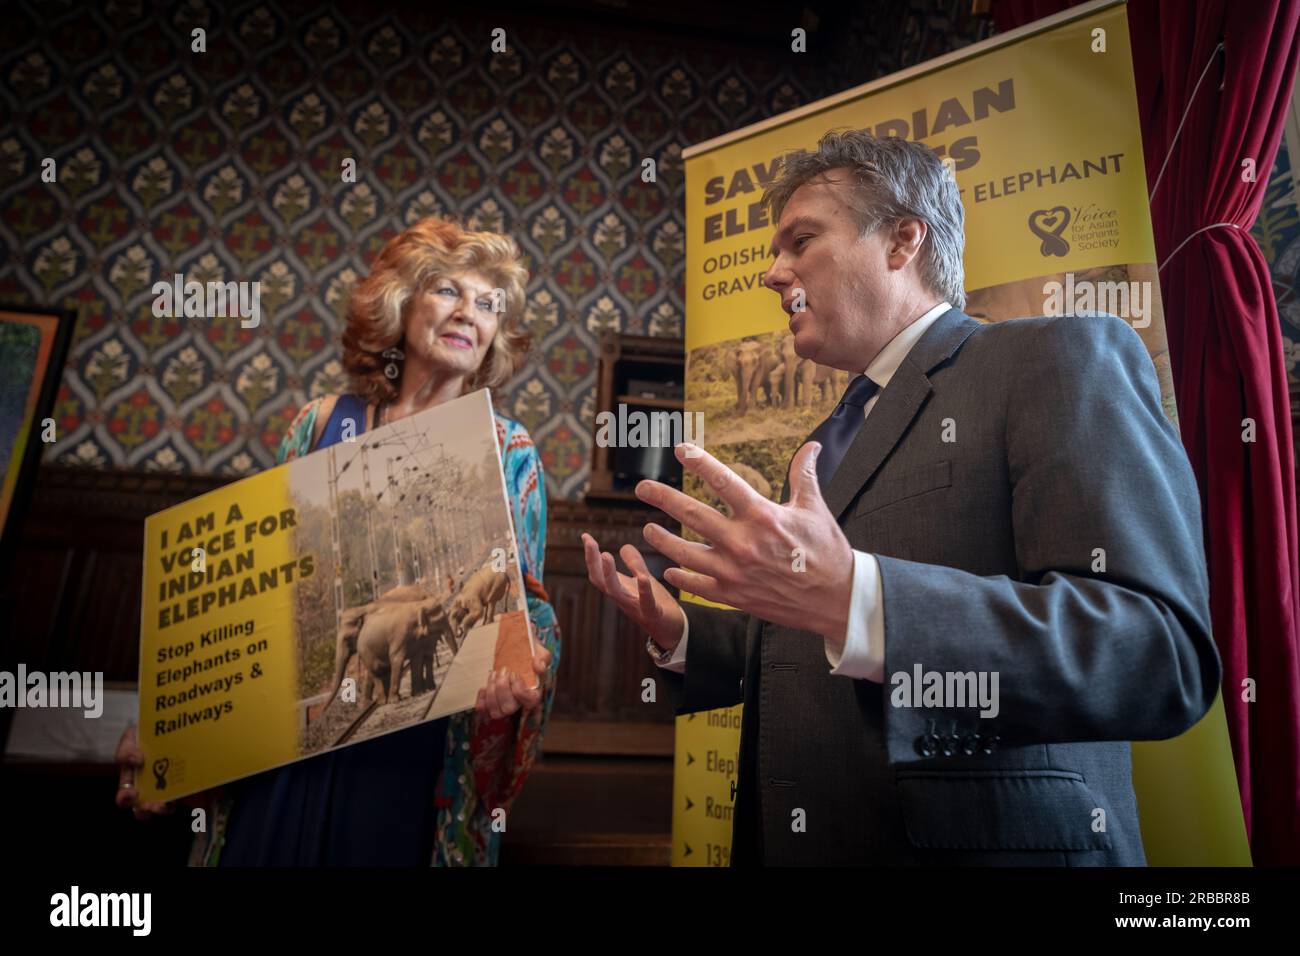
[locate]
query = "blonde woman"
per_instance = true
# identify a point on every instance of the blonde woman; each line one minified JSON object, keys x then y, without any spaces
{"x":421,"y":329}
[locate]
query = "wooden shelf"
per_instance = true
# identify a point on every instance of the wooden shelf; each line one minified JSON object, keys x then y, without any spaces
{"x":624,"y":359}
{"x":613,"y":494}
{"x":659,"y":359}
{"x":676,"y":403}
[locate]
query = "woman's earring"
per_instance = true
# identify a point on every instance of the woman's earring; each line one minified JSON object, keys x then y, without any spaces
{"x":394,"y":355}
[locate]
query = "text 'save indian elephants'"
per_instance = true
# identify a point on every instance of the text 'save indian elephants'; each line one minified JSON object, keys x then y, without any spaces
{"x":353,"y":592}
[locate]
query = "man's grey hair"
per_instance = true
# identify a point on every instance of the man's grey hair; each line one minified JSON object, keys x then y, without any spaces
{"x":893,"y":179}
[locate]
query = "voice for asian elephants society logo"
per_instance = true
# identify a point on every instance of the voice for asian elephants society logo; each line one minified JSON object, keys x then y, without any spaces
{"x":161,"y":769}
{"x":1062,"y":229}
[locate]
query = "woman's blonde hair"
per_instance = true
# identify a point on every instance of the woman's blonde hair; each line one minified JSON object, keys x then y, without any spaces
{"x":407,"y":265}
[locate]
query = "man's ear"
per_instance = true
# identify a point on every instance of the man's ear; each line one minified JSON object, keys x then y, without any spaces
{"x":905,"y":239}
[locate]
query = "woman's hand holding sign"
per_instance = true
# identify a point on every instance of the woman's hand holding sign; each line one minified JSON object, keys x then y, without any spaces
{"x":504,"y":692}
{"x":129,"y":759}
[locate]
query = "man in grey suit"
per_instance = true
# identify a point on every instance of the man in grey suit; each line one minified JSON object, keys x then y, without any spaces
{"x":989,"y":580}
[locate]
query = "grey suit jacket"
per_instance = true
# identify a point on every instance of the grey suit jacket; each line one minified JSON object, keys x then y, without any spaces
{"x":987,"y":545}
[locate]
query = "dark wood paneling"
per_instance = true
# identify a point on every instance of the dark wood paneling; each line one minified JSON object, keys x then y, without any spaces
{"x":593,"y":812}
{"x":603,"y":656}
{"x":75,"y":587}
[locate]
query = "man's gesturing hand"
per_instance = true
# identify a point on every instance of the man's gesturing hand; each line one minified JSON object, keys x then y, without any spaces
{"x":789,"y":564}
{"x":639,"y":596}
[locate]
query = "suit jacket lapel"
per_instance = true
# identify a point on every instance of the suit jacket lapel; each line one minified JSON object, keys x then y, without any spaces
{"x":894,"y":410}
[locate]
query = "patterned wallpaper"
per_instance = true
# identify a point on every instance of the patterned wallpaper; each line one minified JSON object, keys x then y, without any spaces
{"x":1277,"y":230}
{"x":224,"y":165}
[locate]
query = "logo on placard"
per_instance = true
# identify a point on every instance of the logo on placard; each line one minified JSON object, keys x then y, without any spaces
{"x":1047,"y":225}
{"x":160,"y":772}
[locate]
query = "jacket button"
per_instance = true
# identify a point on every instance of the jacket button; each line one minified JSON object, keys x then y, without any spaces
{"x":971,"y":744}
{"x":927,"y":744}
{"x":991,"y":744}
{"x":950,"y":741}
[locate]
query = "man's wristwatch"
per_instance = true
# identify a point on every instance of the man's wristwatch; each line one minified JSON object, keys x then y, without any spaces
{"x":657,"y":653}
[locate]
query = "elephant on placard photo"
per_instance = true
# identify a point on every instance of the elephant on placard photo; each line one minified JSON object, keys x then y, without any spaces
{"x":345,"y":646}
{"x":772,"y":364}
{"x":820,"y":384}
{"x":406,"y":592}
{"x":781,"y":379}
{"x":744,"y":369}
{"x":395,"y":634}
{"x":751,"y":364}
{"x":424,"y":657}
{"x":350,"y":626}
{"x":793,"y":382}
{"x":478,"y":600}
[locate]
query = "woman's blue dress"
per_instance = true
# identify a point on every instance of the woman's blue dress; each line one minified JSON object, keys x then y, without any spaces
{"x":371,"y":804}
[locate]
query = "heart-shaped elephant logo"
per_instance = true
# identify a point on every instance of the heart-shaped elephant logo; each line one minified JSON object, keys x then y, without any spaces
{"x":1047,"y":225}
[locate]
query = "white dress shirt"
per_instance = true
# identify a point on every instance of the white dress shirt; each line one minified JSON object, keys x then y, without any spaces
{"x":863,"y":656}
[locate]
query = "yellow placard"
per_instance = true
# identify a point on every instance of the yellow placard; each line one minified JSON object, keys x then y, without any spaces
{"x":350,"y":593}
{"x":214,"y":659}
{"x":705,"y":776}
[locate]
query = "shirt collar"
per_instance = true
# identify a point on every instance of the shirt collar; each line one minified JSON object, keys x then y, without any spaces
{"x":886,"y":362}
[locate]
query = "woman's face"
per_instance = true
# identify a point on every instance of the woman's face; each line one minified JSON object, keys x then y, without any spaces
{"x":450,"y":325}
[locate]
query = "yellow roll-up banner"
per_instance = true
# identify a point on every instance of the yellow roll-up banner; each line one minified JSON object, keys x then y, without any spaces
{"x":1040,"y":128}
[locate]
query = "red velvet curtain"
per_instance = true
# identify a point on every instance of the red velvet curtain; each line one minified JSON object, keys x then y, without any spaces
{"x":1225,"y":350}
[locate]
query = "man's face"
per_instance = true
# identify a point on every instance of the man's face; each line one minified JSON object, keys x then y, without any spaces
{"x":844,"y":279}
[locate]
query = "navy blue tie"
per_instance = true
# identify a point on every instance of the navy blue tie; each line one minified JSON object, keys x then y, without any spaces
{"x":837,"y":432}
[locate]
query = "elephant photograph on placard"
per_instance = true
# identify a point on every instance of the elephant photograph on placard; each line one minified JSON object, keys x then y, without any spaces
{"x":482,"y":596}
{"x":416,"y":570}
{"x":404,"y":626}
{"x":758,"y":388}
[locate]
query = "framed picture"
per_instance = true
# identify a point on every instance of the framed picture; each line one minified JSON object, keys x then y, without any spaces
{"x":33,"y":348}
